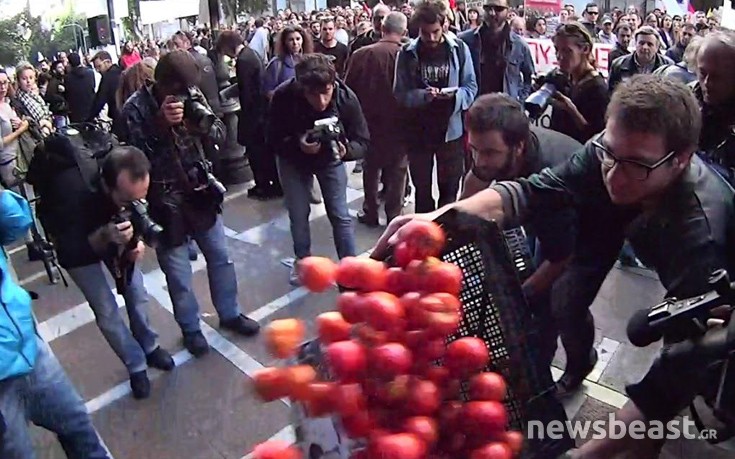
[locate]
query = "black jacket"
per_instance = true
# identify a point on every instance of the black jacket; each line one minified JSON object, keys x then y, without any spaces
{"x":250,"y":74}
{"x":208,"y":81}
{"x":291,"y":116}
{"x":106,"y":96}
{"x":615,"y":53}
{"x":79,"y":84}
{"x":625,"y":67}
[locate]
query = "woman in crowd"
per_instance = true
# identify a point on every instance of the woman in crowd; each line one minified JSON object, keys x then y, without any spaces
{"x":291,"y":44}
{"x":537,"y":28}
{"x":132,"y":79}
{"x":11,"y":128}
{"x":130,"y":56}
{"x":473,"y":19}
{"x":668,"y":36}
{"x":652,"y":21}
{"x":578,"y":109}
{"x":29,"y":103}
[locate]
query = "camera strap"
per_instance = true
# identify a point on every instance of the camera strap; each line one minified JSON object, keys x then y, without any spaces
{"x":180,"y":172}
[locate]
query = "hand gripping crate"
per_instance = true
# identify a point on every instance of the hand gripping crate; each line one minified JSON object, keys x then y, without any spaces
{"x":494,"y":263}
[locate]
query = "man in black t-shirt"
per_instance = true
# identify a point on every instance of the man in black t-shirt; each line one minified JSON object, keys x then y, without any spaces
{"x":331,"y":47}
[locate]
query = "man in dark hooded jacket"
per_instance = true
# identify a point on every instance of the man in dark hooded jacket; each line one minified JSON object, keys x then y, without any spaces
{"x":79,"y":84}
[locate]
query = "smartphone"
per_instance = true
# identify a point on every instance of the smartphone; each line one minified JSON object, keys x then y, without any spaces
{"x":448,"y":91}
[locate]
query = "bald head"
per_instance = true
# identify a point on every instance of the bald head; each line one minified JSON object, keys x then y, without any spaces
{"x":395,"y":23}
{"x":716,"y":68}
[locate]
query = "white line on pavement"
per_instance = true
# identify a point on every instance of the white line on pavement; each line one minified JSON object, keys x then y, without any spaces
{"x":597,"y":391}
{"x":286,"y":434}
{"x":32,"y":278}
{"x":605,"y":351}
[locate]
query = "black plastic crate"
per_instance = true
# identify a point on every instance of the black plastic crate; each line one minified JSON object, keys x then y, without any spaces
{"x":494,"y":263}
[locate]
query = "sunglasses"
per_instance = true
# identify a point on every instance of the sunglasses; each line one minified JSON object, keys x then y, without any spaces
{"x":495,"y":8}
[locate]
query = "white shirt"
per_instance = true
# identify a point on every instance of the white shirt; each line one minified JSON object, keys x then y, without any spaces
{"x":342,"y":36}
{"x":259,"y":43}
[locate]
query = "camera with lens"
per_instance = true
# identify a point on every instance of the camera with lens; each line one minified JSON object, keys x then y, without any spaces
{"x":327,"y":132}
{"x":537,"y":103}
{"x":144,"y":227}
{"x":196,"y":110}
{"x":201,"y":174}
{"x":690,"y":343}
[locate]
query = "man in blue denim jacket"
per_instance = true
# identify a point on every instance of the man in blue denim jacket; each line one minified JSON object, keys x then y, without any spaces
{"x":435,"y":84}
{"x":501,"y":59}
{"x":33,"y":386}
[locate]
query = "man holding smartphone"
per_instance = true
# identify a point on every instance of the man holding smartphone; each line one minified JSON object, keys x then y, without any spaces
{"x":434,"y":83}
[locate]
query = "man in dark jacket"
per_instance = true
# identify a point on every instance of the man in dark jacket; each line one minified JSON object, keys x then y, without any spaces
{"x":303,"y":113}
{"x":370,"y":74}
{"x":106,"y":93}
{"x":250,"y":73}
{"x":208,"y":81}
{"x":623,"y":34}
{"x":676,"y":52}
{"x":645,"y":58}
{"x":380,"y":11}
{"x":79,"y":84}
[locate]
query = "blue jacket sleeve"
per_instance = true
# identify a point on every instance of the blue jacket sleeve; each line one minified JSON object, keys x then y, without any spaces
{"x":405,"y":88}
{"x":270,"y":81}
{"x":467,"y":81}
{"x":15,"y":216}
{"x":527,"y":70}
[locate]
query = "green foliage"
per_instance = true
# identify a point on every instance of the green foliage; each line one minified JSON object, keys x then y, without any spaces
{"x":233,"y":8}
{"x":68,"y":32}
{"x":130,"y":23}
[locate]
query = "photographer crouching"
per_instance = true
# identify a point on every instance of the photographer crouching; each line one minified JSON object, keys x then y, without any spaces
{"x":109,"y":226}
{"x":169,"y":120}
{"x":315,"y":122}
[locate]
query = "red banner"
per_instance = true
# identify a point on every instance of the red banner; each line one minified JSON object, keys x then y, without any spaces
{"x":543,"y":6}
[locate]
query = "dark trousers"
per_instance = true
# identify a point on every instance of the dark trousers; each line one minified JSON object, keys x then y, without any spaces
{"x":263,"y":165}
{"x":449,"y":170}
{"x":392,"y":174}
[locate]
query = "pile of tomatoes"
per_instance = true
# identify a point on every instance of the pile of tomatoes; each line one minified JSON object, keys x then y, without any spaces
{"x":395,"y":383}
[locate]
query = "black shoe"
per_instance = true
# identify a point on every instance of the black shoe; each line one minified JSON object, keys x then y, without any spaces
{"x":256,"y":192}
{"x":365,"y":220}
{"x":242,"y":325}
{"x":571,"y":381}
{"x":358,"y":168}
{"x":270,"y":192}
{"x":196,"y":343}
{"x":161,"y":359}
{"x":140,"y":385}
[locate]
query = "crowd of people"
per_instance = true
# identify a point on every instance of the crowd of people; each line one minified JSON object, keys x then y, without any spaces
{"x":417,"y":91}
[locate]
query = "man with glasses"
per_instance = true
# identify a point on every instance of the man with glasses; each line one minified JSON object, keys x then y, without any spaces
{"x":590,"y":16}
{"x":501,"y":58}
{"x":645,"y":58}
{"x":639,"y":180}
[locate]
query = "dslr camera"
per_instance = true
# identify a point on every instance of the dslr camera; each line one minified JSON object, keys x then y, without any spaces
{"x":201,"y":174}
{"x":327,"y":132}
{"x":537,"y":103}
{"x":196,"y":110}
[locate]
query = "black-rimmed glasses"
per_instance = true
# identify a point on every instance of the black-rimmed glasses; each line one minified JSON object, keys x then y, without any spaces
{"x":636,"y":170}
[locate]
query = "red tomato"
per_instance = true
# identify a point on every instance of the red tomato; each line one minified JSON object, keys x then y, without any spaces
{"x":466,"y":356}
{"x":438,"y":276}
{"x":398,"y":446}
{"x":276,"y":449}
{"x":332,"y":327}
{"x":483,"y":419}
{"x":299,"y":378}
{"x":452,"y":390}
{"x":515,"y":441}
{"x":271,"y":383}
{"x":349,"y":304}
{"x":433,"y":349}
{"x":438,"y":375}
{"x":442,"y":324}
{"x":488,"y":386}
{"x":383,"y":311}
{"x":350,"y":400}
{"x":396,"y":281}
{"x":369,"y":336}
{"x":317,"y":273}
{"x":424,"y":427}
{"x":449,"y":415}
{"x":494,"y":450}
{"x":414,"y":312}
{"x":359,"y":425}
{"x":322,"y":399}
{"x":442,"y":302}
{"x":403,"y":254}
{"x":425,"y":239}
{"x":363,"y":274}
{"x":395,"y":392}
{"x":390,"y":360}
{"x":347,"y":360}
{"x":283,"y":336}
{"x":424,"y":398}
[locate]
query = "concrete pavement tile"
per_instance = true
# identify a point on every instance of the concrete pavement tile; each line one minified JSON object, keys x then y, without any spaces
{"x":53,"y":299}
{"x":45,"y":444}
{"x":591,"y":410}
{"x":90,"y":362}
{"x":243,"y":213}
{"x":203,"y":410}
{"x":628,"y":365}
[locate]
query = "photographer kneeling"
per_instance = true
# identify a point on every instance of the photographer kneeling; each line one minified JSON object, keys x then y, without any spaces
{"x":639,"y":179}
{"x":169,"y":120}
{"x":315,"y":122}
{"x":106,"y":223}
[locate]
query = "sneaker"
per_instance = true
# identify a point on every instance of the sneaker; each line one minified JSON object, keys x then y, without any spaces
{"x":242,"y":325}
{"x":161,"y":359}
{"x":571,"y":381}
{"x":140,"y":385}
{"x":293,"y":276}
{"x":358,"y":168}
{"x":196,"y":343}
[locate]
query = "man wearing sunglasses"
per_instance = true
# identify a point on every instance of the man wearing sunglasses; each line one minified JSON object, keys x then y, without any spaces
{"x":639,"y":180}
{"x":590,"y":17}
{"x":501,"y":59}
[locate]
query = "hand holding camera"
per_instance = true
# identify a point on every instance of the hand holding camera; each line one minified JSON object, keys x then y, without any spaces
{"x":172,"y":110}
{"x":119,"y":233}
{"x":137,"y":253}
{"x":307,"y":146}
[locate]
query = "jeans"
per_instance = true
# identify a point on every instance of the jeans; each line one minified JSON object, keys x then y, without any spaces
{"x":393,"y":177}
{"x":46,"y":398}
{"x":130,"y":344}
{"x":449,"y":170}
{"x":176,"y":266}
{"x":333,"y":183}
